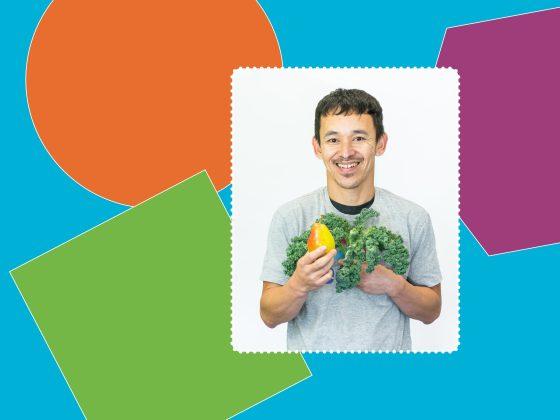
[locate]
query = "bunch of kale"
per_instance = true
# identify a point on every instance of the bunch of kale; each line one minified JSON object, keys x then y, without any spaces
{"x":359,"y":244}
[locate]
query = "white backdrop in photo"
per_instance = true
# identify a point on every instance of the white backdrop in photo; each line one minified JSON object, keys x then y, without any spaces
{"x":273,"y":162}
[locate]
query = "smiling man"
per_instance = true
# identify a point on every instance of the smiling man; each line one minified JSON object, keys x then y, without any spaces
{"x":374,"y":316}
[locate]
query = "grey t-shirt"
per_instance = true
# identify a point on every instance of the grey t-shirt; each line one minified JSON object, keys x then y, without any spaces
{"x":352,"y":320}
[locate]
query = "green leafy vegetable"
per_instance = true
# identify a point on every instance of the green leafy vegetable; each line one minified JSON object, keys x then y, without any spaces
{"x":360,"y":244}
{"x":296,"y":249}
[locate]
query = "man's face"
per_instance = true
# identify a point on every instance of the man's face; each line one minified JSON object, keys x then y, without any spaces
{"x":348,"y":148}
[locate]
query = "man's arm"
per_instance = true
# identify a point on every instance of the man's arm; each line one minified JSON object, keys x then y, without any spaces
{"x":279,"y":303}
{"x":418,"y":302}
{"x":282,"y":303}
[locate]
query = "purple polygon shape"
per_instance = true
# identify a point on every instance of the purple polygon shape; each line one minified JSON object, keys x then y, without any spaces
{"x":510,"y":125}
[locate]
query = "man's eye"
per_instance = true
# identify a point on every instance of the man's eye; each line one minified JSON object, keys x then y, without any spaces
{"x":331,"y":140}
{"x":360,"y":138}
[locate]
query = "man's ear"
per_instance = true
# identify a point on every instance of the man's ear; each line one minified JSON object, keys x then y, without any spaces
{"x":381,"y":144}
{"x":316,"y":147}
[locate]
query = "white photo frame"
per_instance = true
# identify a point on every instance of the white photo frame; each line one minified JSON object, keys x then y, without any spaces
{"x":273,"y":163}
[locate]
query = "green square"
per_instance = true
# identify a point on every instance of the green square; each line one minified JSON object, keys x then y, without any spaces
{"x":137,"y":313}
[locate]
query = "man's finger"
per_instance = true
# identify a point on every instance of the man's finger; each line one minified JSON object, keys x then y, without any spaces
{"x":310,"y":257}
{"x":323,"y":280}
{"x":325,"y":270}
{"x":323,"y":261}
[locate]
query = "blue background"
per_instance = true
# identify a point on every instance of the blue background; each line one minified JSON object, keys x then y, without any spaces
{"x":507,"y":363}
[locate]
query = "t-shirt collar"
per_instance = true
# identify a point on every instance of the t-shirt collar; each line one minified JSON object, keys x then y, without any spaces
{"x":330,"y":208}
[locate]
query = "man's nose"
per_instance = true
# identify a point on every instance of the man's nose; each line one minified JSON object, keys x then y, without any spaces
{"x":346,"y":148}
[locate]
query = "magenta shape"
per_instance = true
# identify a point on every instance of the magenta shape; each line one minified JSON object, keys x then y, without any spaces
{"x":510,"y":116}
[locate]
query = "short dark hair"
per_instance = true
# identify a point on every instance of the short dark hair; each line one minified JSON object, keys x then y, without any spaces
{"x":347,"y":102}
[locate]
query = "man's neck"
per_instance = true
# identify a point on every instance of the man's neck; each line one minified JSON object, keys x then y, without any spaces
{"x":350,"y":197}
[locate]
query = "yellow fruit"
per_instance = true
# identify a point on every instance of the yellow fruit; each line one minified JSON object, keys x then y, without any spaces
{"x":320,"y":236}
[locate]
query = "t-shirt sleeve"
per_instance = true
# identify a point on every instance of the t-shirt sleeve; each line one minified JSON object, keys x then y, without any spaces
{"x":424,"y":265}
{"x":276,"y":246}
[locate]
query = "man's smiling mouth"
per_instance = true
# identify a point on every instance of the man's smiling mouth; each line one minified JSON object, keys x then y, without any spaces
{"x":347,"y":165}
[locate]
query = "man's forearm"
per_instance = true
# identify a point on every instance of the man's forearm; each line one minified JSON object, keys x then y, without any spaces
{"x":281,"y":304}
{"x":417,"y":302}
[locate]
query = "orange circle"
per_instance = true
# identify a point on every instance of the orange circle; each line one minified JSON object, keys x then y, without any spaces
{"x":132,"y":97}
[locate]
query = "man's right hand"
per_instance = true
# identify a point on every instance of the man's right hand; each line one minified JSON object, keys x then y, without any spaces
{"x":313,"y":270}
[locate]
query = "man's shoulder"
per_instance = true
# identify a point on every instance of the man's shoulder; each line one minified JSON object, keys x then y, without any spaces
{"x":303,"y":203}
{"x":403,"y":206}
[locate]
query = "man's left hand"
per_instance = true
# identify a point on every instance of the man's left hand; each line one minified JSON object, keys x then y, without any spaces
{"x":381,"y":280}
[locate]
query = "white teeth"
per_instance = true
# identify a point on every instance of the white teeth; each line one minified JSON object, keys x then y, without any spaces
{"x":347,"y":165}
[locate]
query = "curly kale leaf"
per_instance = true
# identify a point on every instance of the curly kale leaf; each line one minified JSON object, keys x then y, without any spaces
{"x":373,"y":246}
{"x":382,"y":245}
{"x":296,"y":249}
{"x":394,"y":253}
{"x":364,"y":216}
{"x":348,"y":276}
